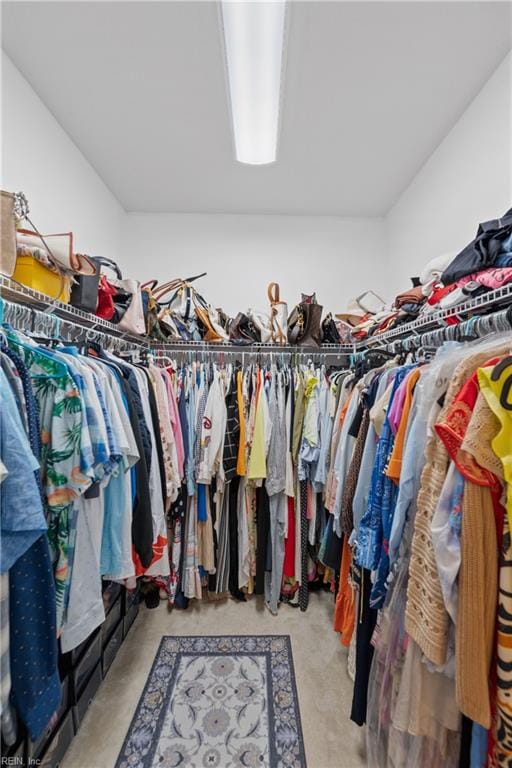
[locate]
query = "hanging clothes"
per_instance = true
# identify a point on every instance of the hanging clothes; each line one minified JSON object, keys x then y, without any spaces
{"x":426,"y":522}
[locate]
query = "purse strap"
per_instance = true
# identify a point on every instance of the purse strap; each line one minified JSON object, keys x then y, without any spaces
{"x":173,"y":285}
{"x":149,"y":286}
{"x":195,"y":277}
{"x":273,"y":293}
{"x":51,"y":257}
{"x":199,"y":301}
{"x":104,"y":262}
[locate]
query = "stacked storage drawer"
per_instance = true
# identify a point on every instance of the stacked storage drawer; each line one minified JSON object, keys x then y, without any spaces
{"x":130,"y":609}
{"x":81,"y":671}
{"x":112,"y":627}
{"x":58,"y":745}
{"x":86,"y":675}
{"x":50,"y":747}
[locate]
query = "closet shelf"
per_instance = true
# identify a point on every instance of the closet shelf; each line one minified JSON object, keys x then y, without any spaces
{"x":20,"y":294}
{"x":229,"y":348}
{"x":497,"y":299}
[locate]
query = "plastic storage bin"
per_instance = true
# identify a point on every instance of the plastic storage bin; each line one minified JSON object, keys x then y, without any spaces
{"x":30,"y":272}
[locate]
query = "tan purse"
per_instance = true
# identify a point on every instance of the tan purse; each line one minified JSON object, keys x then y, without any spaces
{"x":8,"y":234}
{"x":61,"y":248}
{"x":206,"y":315}
{"x":36,"y":267}
{"x":278,"y":315}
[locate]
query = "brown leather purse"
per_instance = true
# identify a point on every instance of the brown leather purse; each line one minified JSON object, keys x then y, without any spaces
{"x":304,"y":325}
{"x":8,"y":234}
{"x":243,"y":330}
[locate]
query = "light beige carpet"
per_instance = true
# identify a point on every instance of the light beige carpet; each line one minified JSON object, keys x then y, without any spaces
{"x":331,"y":740}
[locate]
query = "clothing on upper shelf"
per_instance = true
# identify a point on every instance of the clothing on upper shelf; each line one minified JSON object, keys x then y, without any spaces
{"x":449,"y":281}
{"x":491,"y":246}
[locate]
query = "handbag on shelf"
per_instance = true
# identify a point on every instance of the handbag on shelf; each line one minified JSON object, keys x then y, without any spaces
{"x":207,"y":316}
{"x":224,"y":319}
{"x":304,"y":324}
{"x":330,"y":334}
{"x":182,"y":301}
{"x":176,"y":317}
{"x":8,"y":233}
{"x":262,"y":323}
{"x":35,"y":270}
{"x":129,"y":313}
{"x":243,"y":330}
{"x":278,"y":315}
{"x":85,"y":292}
{"x":170,"y":328}
{"x":60,"y":246}
{"x":47,"y":263}
{"x":159,"y":323}
{"x":162,"y":323}
{"x":105,"y":307}
{"x":120,"y":299}
{"x":344,"y":330}
{"x":150,"y":308}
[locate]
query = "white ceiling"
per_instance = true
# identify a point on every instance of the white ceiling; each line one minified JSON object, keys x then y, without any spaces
{"x":371,"y":89}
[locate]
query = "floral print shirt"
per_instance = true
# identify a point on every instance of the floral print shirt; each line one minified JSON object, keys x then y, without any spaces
{"x":66,"y":461}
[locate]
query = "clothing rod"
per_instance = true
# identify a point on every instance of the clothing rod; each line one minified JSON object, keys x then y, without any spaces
{"x":471,"y":329}
{"x":24,"y":317}
{"x":497,"y":298}
{"x":253,"y":349}
{"x":17,"y":293}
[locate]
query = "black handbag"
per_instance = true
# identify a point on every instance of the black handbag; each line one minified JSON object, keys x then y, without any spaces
{"x":84,"y":292}
{"x":330,"y":333}
{"x":243,"y":331}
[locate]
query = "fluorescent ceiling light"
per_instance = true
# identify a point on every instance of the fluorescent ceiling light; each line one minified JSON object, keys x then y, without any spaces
{"x":254,"y":42}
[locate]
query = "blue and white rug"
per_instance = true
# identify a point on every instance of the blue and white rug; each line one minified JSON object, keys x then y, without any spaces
{"x":218,"y":702}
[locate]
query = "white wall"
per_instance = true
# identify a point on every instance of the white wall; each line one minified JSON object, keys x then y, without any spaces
{"x":467,"y":180}
{"x":339,"y":258}
{"x":38,"y":158}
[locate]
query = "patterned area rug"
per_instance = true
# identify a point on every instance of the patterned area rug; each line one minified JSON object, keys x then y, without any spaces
{"x":218,"y":702}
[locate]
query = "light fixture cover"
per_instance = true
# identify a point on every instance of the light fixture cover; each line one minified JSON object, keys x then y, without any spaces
{"x":254,"y":42}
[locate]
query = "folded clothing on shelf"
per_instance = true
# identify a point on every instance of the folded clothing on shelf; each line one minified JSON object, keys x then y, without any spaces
{"x":493,"y":241}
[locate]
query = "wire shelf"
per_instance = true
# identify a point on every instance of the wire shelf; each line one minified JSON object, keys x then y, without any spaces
{"x":497,"y":299}
{"x":17,"y":293}
{"x":256,"y":348}
{"x":20,"y":294}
